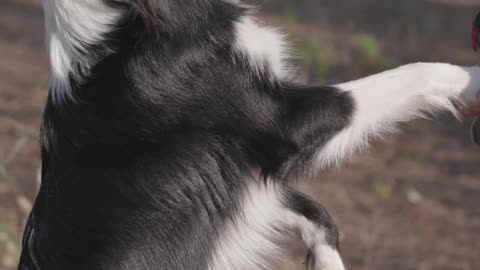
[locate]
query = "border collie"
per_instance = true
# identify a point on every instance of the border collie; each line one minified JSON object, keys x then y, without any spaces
{"x":173,"y":126}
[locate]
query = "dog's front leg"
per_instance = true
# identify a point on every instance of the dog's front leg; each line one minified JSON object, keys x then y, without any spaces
{"x":316,"y":228}
{"x":399,"y":95}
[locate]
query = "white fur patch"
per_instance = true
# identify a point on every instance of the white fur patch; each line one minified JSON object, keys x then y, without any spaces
{"x":265,"y":48}
{"x":248,"y":241}
{"x":398,"y":95}
{"x":252,"y":240}
{"x":71,"y":25}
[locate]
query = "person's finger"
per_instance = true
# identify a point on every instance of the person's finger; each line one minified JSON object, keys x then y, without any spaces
{"x":470,"y":111}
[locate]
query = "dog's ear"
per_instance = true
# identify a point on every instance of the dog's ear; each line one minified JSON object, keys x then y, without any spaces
{"x":75,"y":34}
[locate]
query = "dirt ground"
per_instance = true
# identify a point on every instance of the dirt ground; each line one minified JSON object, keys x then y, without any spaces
{"x":412,"y":202}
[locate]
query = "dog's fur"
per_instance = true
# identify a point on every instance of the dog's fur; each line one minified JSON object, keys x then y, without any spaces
{"x":173,"y":126}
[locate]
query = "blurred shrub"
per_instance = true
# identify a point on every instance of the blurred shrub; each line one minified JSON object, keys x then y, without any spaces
{"x":312,"y":54}
{"x":369,"y":51}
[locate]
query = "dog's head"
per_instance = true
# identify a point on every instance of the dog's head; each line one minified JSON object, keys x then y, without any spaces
{"x":82,"y":32}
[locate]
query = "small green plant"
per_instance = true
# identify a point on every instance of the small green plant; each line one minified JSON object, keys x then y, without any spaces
{"x":382,"y":190}
{"x":7,"y":232}
{"x":290,"y":16}
{"x":369,"y":50}
{"x":312,"y":54}
{"x":414,"y":156}
{"x":369,"y":47}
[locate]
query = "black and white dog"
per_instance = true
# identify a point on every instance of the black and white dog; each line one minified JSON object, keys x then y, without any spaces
{"x":173,"y":126}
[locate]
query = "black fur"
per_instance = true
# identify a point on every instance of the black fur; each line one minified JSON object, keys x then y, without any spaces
{"x":147,"y":159}
{"x":314,"y":212}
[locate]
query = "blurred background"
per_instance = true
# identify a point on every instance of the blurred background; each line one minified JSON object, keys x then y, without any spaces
{"x":412,"y":202}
